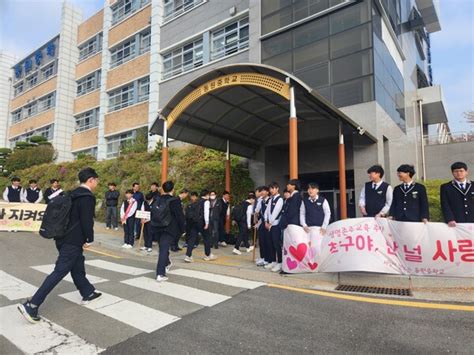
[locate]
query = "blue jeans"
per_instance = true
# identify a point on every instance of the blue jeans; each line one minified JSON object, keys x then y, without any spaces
{"x":70,"y":260}
{"x":111,"y":217}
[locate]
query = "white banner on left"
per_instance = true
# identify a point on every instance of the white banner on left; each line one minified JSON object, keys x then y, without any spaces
{"x":21,"y":216}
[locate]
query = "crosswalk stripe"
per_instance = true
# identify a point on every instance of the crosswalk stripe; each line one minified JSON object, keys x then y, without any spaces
{"x":123,"y":269}
{"x":131,"y":313}
{"x":181,"y":292}
{"x":224,"y":280}
{"x":47,"y":269}
{"x":13,"y":288}
{"x":41,"y":337}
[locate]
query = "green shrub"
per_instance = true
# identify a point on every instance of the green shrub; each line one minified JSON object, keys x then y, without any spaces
{"x":432,"y":189}
{"x":26,"y":156}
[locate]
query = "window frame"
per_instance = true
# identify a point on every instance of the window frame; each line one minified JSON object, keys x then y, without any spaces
{"x":181,"y":52}
{"x":225,"y":32}
{"x":80,"y":120}
{"x":89,"y":83}
{"x":120,"y":92}
{"x":121,"y":139}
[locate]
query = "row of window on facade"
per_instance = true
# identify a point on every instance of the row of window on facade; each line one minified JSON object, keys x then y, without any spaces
{"x":35,"y":78}
{"x":46,"y":132}
{"x":33,"y":108}
{"x":114,"y":145}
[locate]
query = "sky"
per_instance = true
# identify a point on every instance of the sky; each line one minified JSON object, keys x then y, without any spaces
{"x":452,"y":47}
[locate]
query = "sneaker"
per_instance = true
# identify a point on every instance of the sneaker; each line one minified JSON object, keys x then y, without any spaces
{"x":160,"y":278}
{"x":116,"y":228}
{"x":277,"y":267}
{"x":168,"y":267}
{"x":149,"y":250}
{"x":129,"y":246}
{"x":124,"y":245}
{"x":143,"y":248}
{"x":210,"y":257}
{"x":270,"y":265}
{"x":223,"y":244}
{"x":236,"y":252}
{"x":188,"y":259}
{"x":30,"y":313}
{"x":250,"y":248}
{"x":260,"y":262}
{"x":107,"y":228}
{"x":94,"y":295}
{"x":185,"y":245}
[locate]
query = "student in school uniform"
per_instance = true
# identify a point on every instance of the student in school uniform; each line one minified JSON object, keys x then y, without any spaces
{"x":127,"y":216}
{"x":410,"y":201}
{"x":457,"y":197}
{"x":147,"y":235}
{"x":272,"y":219}
{"x":291,"y":209}
{"x":314,"y":210}
{"x":13,"y":193}
{"x":263,"y":235}
{"x":139,"y":198}
{"x":111,"y":204}
{"x":204,"y":209}
{"x":224,"y":206}
{"x":376,"y":196}
{"x":183,"y":196}
{"x":245,"y":224}
{"x":192,"y":225}
{"x":32,"y":194}
{"x":214,"y":212}
{"x":54,"y":190}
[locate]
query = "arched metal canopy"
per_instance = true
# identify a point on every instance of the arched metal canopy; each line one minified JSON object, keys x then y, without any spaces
{"x":243,"y":103}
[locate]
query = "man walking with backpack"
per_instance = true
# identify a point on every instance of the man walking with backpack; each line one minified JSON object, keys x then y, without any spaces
{"x":243,"y":216}
{"x":167,"y":221}
{"x":78,"y":233}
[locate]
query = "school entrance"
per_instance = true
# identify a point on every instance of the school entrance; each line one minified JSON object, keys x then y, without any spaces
{"x":279,"y":123}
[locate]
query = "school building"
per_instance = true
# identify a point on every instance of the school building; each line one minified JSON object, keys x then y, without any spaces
{"x":293,"y":85}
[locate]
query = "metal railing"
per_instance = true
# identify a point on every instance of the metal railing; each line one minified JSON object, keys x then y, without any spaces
{"x":448,"y":138}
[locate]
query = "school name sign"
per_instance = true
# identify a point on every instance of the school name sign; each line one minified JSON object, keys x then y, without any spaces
{"x":21,"y":216}
{"x":382,"y":246}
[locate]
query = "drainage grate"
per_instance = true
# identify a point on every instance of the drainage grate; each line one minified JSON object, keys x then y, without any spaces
{"x":375,"y":290}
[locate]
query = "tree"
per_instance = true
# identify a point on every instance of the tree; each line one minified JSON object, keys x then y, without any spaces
{"x":137,"y":145}
{"x":4,"y":154}
{"x":27,"y":155}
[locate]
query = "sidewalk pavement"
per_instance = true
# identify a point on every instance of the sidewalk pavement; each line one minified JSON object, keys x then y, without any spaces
{"x":426,"y":288}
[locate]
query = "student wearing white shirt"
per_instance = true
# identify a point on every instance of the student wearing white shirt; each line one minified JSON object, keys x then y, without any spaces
{"x":264,"y":240}
{"x":245,"y":224}
{"x":13,"y":193}
{"x":376,"y":196}
{"x":314,"y":210}
{"x":272,"y":219}
{"x":32,"y":194}
{"x":127,"y":216}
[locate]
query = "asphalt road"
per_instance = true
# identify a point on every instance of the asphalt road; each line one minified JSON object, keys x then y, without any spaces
{"x":208,"y":314}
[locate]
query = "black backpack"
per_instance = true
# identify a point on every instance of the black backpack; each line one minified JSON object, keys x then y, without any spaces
{"x":161,"y":212}
{"x":239,"y":211}
{"x":56,"y":217}
{"x":192,"y":212}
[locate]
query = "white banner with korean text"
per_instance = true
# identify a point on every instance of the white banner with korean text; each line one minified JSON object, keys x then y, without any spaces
{"x":25,"y":217}
{"x":383,"y":246}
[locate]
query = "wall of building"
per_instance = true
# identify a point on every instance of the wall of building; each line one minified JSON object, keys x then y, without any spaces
{"x":440,"y":157}
{"x":6,"y":62}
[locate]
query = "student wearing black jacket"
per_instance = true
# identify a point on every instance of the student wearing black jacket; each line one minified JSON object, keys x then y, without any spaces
{"x":410,"y":201}
{"x":291,"y":209}
{"x":166,"y":235}
{"x":224,"y":206}
{"x":71,"y":259}
{"x":457,"y":197}
{"x":111,"y":203}
{"x":52,"y":191}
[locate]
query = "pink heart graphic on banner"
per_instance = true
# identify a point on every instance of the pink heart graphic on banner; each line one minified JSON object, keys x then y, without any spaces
{"x":299,"y":252}
{"x":291,"y":264}
{"x":313,"y":266}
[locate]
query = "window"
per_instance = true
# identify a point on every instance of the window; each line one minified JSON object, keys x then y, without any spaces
{"x":46,"y":132}
{"x":88,"y":84}
{"x":115,"y":143}
{"x":352,"y":66}
{"x":30,"y":110}
{"x":87,"y":120}
{"x":145,"y":40}
{"x":32,"y":80}
{"x":91,"y":47}
{"x":351,"y":41}
{"x":349,"y":17}
{"x":124,"y":8}
{"x":175,"y":8}
{"x":352,"y":92}
{"x":48,"y":71}
{"x":18,"y":89}
{"x":230,"y":39}
{"x":183,"y":59}
{"x":46,"y":102}
{"x":91,"y":151}
{"x":16,"y":116}
{"x":121,"y":98}
{"x":143,"y":89}
{"x":122,"y":53}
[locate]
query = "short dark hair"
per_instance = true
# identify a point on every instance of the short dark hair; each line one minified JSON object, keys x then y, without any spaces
{"x":204,"y":192}
{"x":154,"y":183}
{"x":458,"y":165}
{"x":225,"y":193}
{"x":376,"y":169}
{"x":251,"y":196}
{"x":135,"y":183}
{"x":213,"y":191}
{"x":265,"y":188}
{"x":184,"y":191}
{"x":295,"y":183}
{"x":313,"y":185}
{"x":129,"y":191}
{"x":85,"y":174}
{"x":273,"y":185}
{"x":167,"y":186}
{"x":112,"y":184}
{"x":194,"y":193}
{"x":52,"y":181}
{"x":32,"y":181}
{"x":407,"y":168}
{"x":286,"y":191}
{"x":16,"y":178}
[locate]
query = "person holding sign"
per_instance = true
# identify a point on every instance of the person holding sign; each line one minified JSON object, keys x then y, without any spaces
{"x":52,"y":191}
{"x":13,"y":193}
{"x":457,"y":197}
{"x":314,"y":210}
{"x":272,"y":220}
{"x":127,"y":216}
{"x":146,"y":207}
{"x":376,"y":196}
{"x":410,"y":202}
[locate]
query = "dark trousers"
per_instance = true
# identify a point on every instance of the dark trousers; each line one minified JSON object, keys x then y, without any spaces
{"x":147,"y":235}
{"x":111,"y":217}
{"x":275,"y":234}
{"x":128,"y":228}
{"x":243,"y":236}
{"x":164,"y":241}
{"x":222,"y":233}
{"x":264,"y":242}
{"x":214,"y":232}
{"x":192,"y":241}
{"x":206,"y":238}
{"x":138,"y":226}
{"x":70,"y":260}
